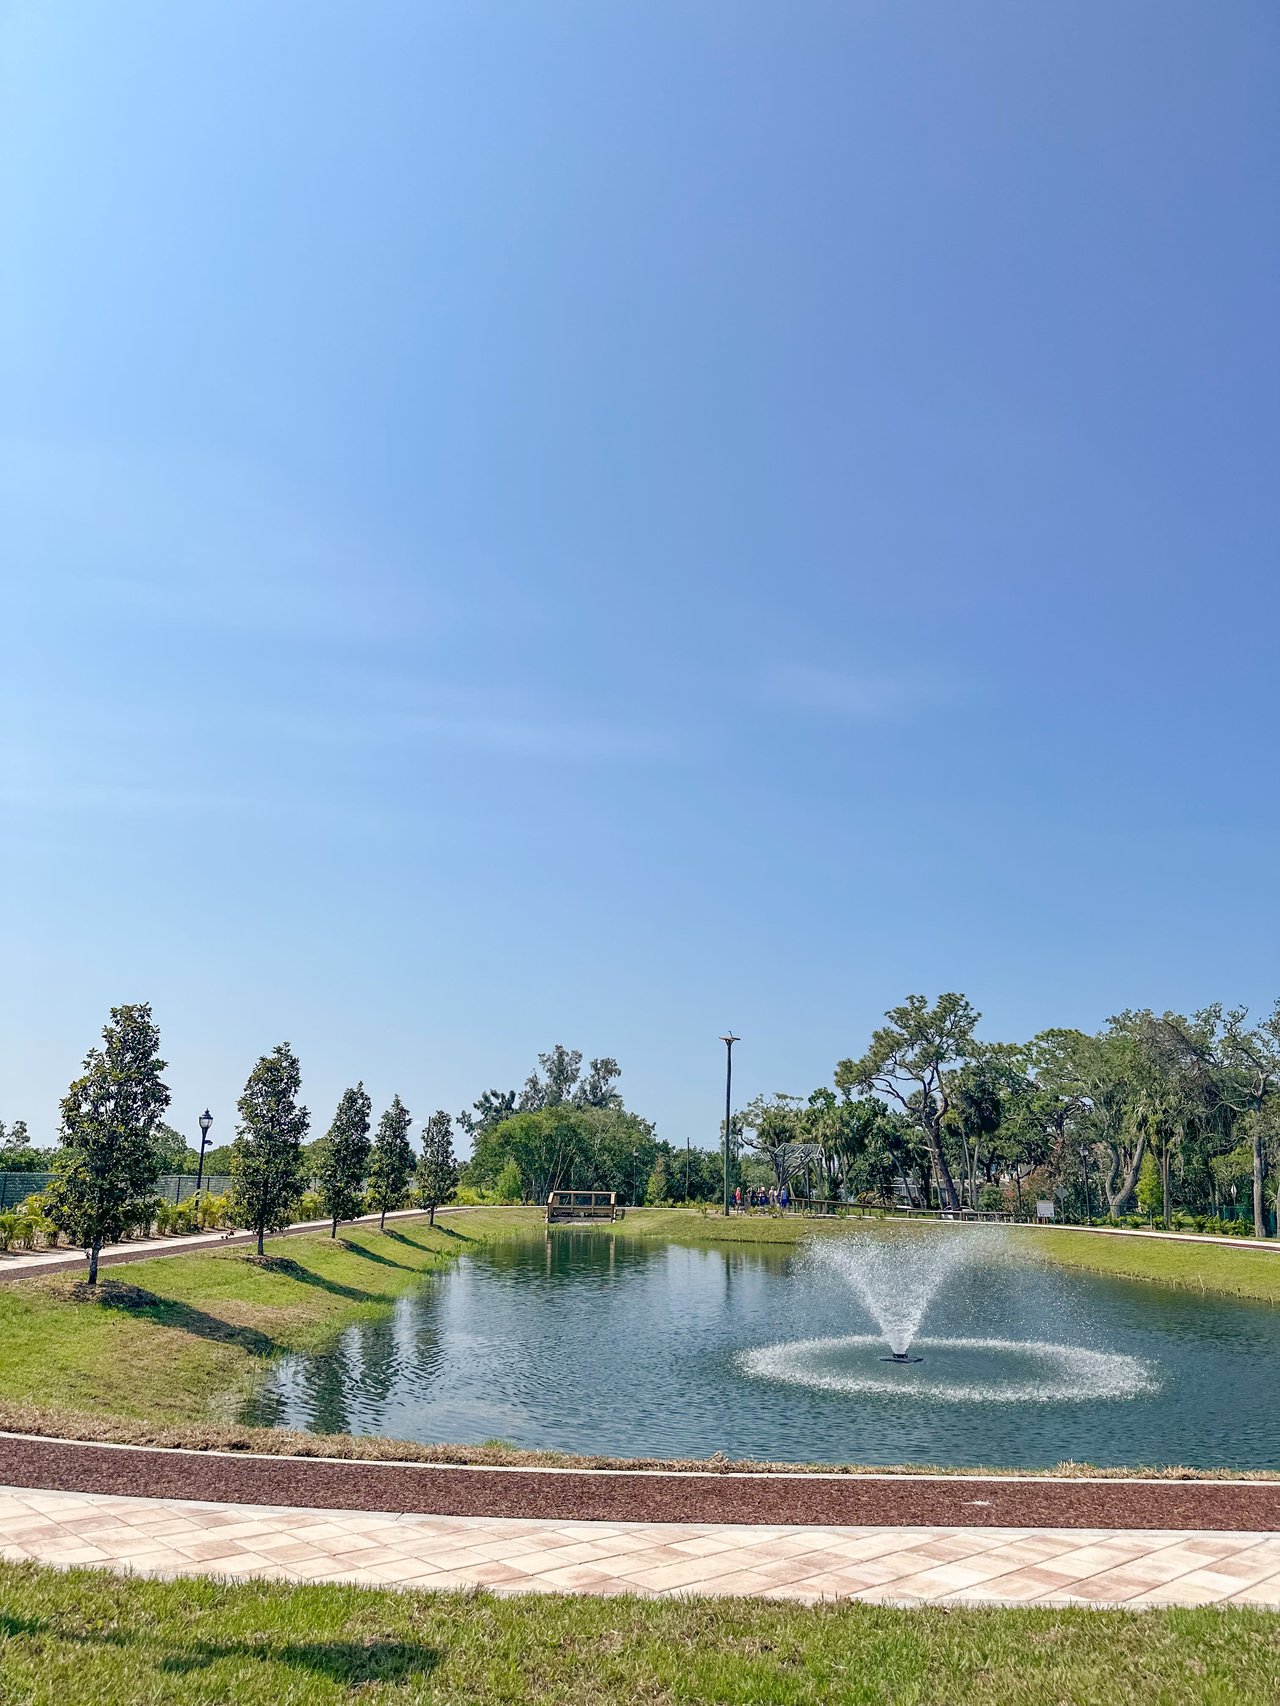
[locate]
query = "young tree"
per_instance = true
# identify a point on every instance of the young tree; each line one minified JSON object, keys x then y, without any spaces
{"x":391,"y":1166}
{"x":438,"y":1168}
{"x":106,"y":1168}
{"x":913,"y":1059}
{"x":342,"y":1157}
{"x":267,"y":1175}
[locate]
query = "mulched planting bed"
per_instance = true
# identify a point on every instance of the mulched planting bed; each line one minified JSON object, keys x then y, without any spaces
{"x":604,"y":1495}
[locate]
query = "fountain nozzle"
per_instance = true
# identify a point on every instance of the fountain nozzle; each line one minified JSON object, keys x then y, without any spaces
{"x":901,"y":1356}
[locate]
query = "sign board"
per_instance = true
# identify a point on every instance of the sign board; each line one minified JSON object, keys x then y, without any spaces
{"x":1044,"y":1208}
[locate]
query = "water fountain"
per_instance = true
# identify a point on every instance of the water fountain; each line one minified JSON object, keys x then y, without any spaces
{"x":896,"y":1274}
{"x":896,"y":1278}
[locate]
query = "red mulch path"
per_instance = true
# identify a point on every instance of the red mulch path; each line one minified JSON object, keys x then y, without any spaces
{"x":603,"y":1495}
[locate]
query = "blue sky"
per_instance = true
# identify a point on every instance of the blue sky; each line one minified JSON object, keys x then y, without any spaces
{"x":596,"y":522}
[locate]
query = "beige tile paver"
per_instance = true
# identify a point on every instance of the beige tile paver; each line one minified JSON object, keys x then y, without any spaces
{"x":989,"y":1565}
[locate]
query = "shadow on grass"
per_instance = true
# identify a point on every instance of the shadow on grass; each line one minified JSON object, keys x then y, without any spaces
{"x":372,"y":1256}
{"x":287,"y":1268}
{"x":167,"y":1312}
{"x":353,"y":1663}
{"x":444,"y":1232}
{"x":356,"y":1664}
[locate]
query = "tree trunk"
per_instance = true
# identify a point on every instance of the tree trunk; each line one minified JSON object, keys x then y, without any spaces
{"x":1164,"y":1188}
{"x":333,"y":1230}
{"x":261,"y":1236}
{"x":941,"y":1172}
{"x":431,"y":1217}
{"x":93,"y":1263}
{"x":1259,"y":1215}
{"x":382,"y":1221}
{"x":1117,"y":1202}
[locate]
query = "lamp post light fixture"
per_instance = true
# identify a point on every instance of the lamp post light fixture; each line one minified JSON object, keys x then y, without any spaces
{"x":728,"y":1042}
{"x":204,"y":1122}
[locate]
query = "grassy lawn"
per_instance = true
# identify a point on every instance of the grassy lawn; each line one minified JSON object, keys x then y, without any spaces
{"x":1221,"y":1267}
{"x":182,"y":1339}
{"x":95,"y":1639}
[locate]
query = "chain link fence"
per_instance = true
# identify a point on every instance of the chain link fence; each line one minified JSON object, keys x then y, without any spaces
{"x":15,"y":1188}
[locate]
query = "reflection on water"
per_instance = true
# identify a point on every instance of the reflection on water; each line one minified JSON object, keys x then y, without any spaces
{"x":581,"y":1341}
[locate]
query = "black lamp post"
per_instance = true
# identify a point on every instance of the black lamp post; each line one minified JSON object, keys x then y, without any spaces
{"x":728,"y":1104}
{"x":205,"y":1121}
{"x":1084,"y":1168}
{"x":633,"y":1175}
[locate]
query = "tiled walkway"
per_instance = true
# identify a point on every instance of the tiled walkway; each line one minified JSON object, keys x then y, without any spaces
{"x":994,"y":1566}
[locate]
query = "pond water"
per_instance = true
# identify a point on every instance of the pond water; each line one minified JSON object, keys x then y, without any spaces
{"x":584,"y":1342}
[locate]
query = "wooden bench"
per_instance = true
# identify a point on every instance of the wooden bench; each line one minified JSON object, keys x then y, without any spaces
{"x":582,"y":1205}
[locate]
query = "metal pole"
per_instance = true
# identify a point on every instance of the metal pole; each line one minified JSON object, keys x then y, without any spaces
{"x":728,"y":1108}
{"x":1084,"y":1168}
{"x":688,"y":1140}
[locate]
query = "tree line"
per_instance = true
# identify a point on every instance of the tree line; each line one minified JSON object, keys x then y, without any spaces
{"x":1163,"y":1113}
{"x":113,"y":1146}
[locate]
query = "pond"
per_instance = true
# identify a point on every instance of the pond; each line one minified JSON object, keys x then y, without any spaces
{"x":581,"y":1341}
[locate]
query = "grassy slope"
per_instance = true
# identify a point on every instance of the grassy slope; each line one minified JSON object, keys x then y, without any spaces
{"x":1221,"y":1267}
{"x":183,"y":1338}
{"x":101,"y":1640}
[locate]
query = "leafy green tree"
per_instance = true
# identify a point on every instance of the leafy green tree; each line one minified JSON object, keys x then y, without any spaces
{"x":342,"y":1158}
{"x":597,"y":1089}
{"x":913,"y":1060}
{"x":562,"y":1066}
{"x":507,"y":1186}
{"x":491,"y":1108}
{"x":106,"y":1167}
{"x":267,"y":1172}
{"x":1150,"y":1188}
{"x":566,"y":1148}
{"x":17,"y":1152}
{"x":658,"y":1189}
{"x":391,"y":1165}
{"x":173,"y":1152}
{"x":438,"y":1168}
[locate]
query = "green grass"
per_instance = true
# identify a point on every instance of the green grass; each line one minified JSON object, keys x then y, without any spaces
{"x":184,"y":1338}
{"x":1222,"y":1268}
{"x":101,"y":1640}
{"x":1219,"y":1267}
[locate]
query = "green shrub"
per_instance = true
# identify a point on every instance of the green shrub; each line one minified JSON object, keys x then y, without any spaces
{"x":214,"y":1211}
{"x":310,"y":1206}
{"x":508,"y":1187}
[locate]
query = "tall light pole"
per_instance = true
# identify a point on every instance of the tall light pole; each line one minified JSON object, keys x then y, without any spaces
{"x":205,"y":1121}
{"x":1084,"y":1168}
{"x":728,"y":1107}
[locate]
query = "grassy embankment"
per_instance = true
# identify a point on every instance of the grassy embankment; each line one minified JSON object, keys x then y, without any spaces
{"x":1222,"y":1267}
{"x":181,"y":1340}
{"x":101,"y":1640}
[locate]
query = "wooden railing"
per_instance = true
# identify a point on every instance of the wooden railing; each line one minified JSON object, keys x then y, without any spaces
{"x":582,"y":1205}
